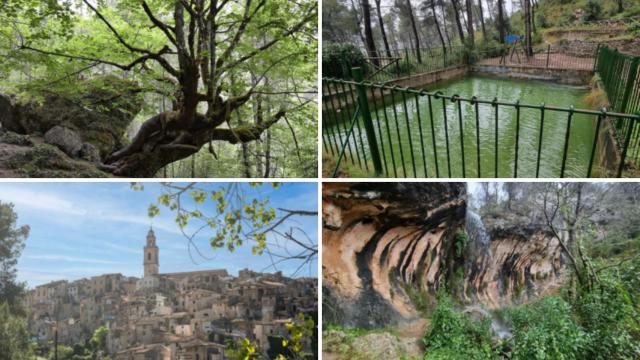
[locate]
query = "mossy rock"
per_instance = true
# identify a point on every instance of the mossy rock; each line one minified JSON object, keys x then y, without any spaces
{"x":45,"y":160}
{"x":99,"y":110}
{"x":12,"y":138}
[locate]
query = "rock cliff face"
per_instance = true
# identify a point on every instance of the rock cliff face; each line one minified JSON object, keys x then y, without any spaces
{"x":520,"y":263}
{"x":380,"y":237}
{"x":385,"y":241}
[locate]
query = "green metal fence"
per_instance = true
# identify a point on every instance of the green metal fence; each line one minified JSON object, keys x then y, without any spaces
{"x":620,"y":76}
{"x":405,"y":62}
{"x":360,"y":128}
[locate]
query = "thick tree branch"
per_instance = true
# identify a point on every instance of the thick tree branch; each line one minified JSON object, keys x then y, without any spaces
{"x":246,"y":133}
{"x":164,"y":27}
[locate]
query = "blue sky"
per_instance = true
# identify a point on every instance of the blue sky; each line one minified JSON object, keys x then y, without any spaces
{"x":86,"y":229}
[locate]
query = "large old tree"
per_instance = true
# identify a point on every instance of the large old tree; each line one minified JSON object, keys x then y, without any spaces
{"x":212,"y":58}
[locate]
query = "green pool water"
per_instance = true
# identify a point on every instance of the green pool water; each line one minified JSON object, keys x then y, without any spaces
{"x":404,"y":147}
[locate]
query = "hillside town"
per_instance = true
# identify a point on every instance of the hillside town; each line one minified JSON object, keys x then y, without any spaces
{"x":183,"y":315}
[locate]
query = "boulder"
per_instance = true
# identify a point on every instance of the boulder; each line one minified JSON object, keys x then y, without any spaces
{"x":99,"y":111}
{"x":65,"y":139}
{"x":90,"y":153}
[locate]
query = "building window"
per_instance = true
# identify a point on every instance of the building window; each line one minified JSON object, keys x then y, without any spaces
{"x":149,"y":256}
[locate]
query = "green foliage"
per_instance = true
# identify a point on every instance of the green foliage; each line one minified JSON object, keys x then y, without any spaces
{"x":99,"y":339}
{"x":542,"y":21}
{"x":64,"y":353}
{"x":241,"y":350}
{"x":546,"y":329}
{"x":592,"y":10}
{"x":57,"y":46}
{"x":14,"y":336}
{"x":300,"y":331}
{"x":461,"y":241}
{"x":421,"y":299}
{"x":338,"y":59}
{"x":233,"y":211}
{"x":402,"y":67}
{"x":12,"y":238}
{"x":455,"y":335}
{"x":633,"y":28}
{"x":610,"y":315}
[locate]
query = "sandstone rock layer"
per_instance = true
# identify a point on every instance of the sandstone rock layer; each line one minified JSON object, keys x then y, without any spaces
{"x":383,"y":243}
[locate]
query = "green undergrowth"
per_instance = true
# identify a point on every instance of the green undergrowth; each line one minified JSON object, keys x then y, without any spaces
{"x":455,"y":335}
{"x":602,"y":322}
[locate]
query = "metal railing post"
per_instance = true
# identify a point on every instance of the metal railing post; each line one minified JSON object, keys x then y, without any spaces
{"x":595,"y":63}
{"x":548,"y":51}
{"x":625,"y":148}
{"x":366,"y":117}
{"x":633,"y":72}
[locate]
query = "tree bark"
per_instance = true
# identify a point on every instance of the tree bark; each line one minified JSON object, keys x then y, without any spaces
{"x":470,"y":33}
{"x":415,"y":32}
{"x":432,"y":4}
{"x":500,"y":23}
{"x":456,"y":15}
{"x":267,"y":155}
{"x":534,"y":5}
{"x":527,"y":28}
{"x":382,"y":30}
{"x":484,"y":30}
{"x":368,"y":33}
{"x":444,"y":23}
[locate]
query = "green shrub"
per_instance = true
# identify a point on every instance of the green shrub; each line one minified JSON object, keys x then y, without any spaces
{"x":546,"y":329}
{"x":338,"y":59}
{"x":633,"y":28}
{"x":592,"y":10}
{"x":542,"y":21}
{"x":609,"y":315}
{"x":403,"y":67}
{"x":455,"y":335}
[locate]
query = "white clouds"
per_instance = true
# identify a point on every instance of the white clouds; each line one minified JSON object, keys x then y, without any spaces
{"x":51,"y":202}
{"x":72,"y":259}
{"x":38,"y":200}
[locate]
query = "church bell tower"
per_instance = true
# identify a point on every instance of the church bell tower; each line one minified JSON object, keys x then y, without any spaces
{"x":151,"y":255}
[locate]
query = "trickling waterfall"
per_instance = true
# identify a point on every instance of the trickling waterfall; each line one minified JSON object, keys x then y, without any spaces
{"x":479,"y":239}
{"x":479,"y":246}
{"x":499,"y":329}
